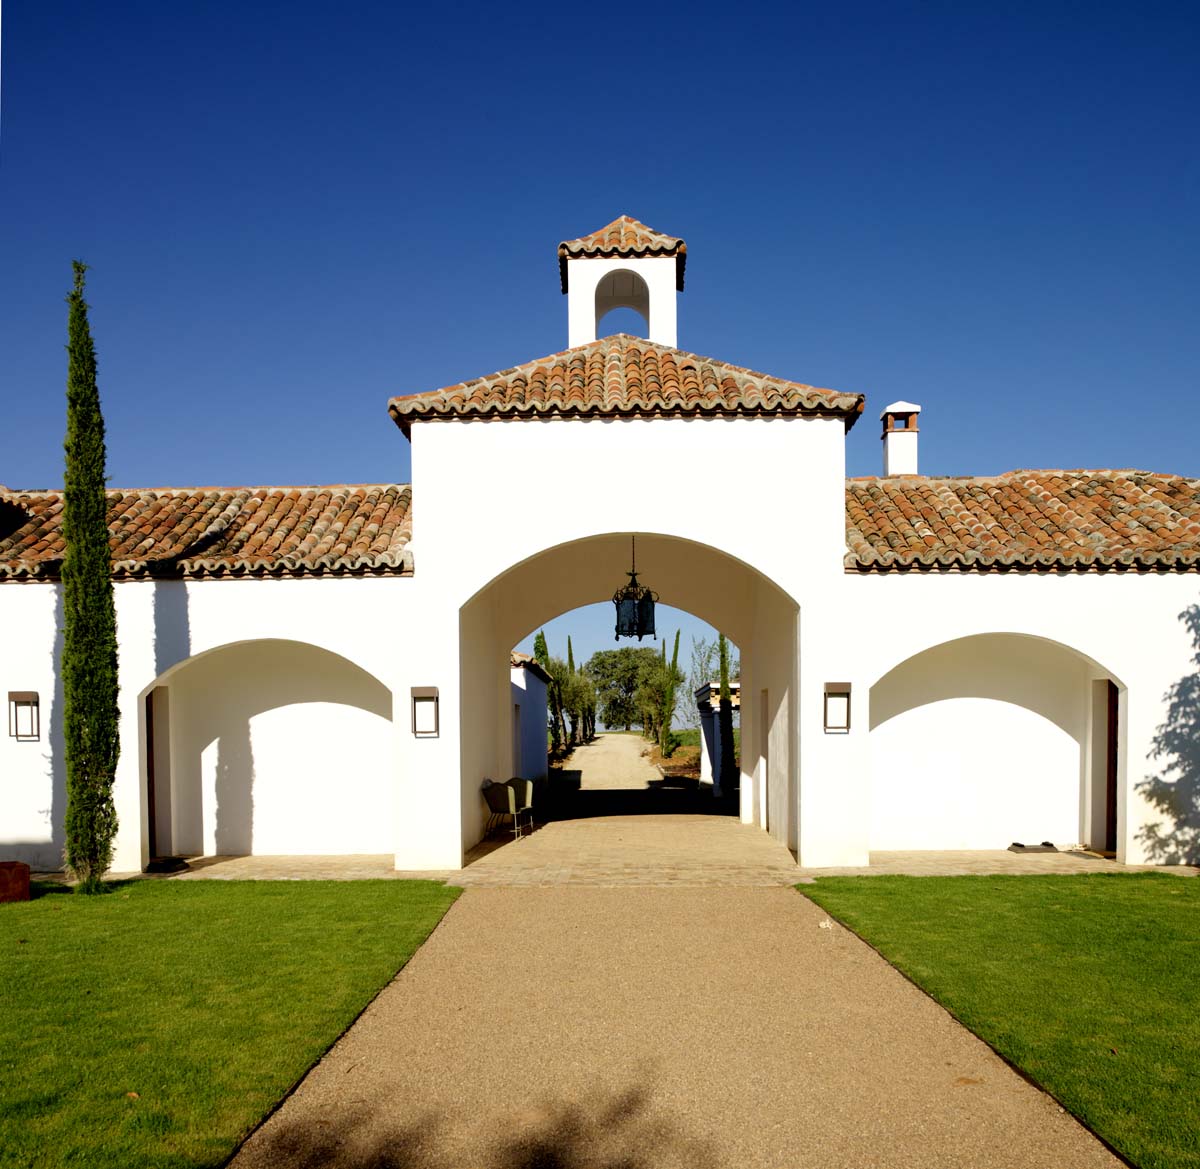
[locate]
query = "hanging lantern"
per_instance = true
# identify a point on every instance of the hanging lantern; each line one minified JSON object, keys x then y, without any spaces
{"x":634,"y":604}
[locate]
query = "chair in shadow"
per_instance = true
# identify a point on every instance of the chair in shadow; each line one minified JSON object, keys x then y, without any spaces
{"x":513,"y":799}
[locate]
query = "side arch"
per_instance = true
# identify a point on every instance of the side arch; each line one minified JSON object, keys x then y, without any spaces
{"x":993,"y":738}
{"x":267,"y":746}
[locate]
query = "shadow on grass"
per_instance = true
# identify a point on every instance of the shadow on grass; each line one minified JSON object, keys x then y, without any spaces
{"x":617,"y":1132}
{"x":1175,"y":790}
{"x":40,"y":889}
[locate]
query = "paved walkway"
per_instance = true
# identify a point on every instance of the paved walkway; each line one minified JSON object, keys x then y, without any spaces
{"x":651,"y":1027}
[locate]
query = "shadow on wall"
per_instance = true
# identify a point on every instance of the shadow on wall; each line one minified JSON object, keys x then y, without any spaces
{"x":54,"y":737}
{"x":1175,"y":790}
{"x":614,"y":1133}
{"x":172,"y":625}
{"x":234,"y":792}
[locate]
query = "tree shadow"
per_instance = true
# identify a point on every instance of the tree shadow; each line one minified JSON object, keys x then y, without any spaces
{"x":1175,"y":790}
{"x":233,"y":790}
{"x":617,"y":1131}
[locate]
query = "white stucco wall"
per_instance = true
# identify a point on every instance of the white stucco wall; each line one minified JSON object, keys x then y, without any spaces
{"x":583,"y":275}
{"x":33,"y":780}
{"x":528,"y":693}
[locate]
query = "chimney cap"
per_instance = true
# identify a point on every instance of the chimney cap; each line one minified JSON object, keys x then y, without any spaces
{"x":899,"y":408}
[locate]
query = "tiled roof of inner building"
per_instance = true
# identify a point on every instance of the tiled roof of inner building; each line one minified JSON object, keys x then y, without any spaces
{"x":1072,"y":520}
{"x":221,"y":531}
{"x":623,"y":376}
{"x":625,"y":236}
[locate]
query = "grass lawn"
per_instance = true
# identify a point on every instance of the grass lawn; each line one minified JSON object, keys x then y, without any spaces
{"x":152,"y":1026}
{"x":1089,"y":984}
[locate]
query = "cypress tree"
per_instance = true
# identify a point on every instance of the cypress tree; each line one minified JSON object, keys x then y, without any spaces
{"x":89,"y":654}
{"x":729,"y":768}
{"x":541,"y":654}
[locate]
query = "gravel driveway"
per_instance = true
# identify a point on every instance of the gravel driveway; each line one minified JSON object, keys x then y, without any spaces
{"x":573,"y":1027}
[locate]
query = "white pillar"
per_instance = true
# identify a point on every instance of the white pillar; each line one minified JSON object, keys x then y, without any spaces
{"x":834,"y":775}
{"x":428,"y":778}
{"x":135,"y":628}
{"x":706,"y":744}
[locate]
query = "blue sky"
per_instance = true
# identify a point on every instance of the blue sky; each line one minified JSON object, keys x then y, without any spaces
{"x":294,"y":211}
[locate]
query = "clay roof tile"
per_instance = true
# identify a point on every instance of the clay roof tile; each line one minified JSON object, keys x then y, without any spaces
{"x":623,"y":376}
{"x":212,"y":532}
{"x":625,"y":236}
{"x":1081,"y":520}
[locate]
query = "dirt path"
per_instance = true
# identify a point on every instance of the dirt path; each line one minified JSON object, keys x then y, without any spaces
{"x":653,"y":1028}
{"x":613,"y":761}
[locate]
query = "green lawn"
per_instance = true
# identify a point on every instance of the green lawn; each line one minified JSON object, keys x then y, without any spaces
{"x":152,"y":1026}
{"x":1089,"y":984}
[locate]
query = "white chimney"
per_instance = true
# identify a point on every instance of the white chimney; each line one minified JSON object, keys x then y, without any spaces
{"x":900,"y":438}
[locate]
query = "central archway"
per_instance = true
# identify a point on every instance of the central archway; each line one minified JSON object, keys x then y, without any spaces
{"x":727,"y":593}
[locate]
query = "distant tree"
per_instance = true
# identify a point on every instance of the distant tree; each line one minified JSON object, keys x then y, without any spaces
{"x":541,"y":654}
{"x":671,"y":683}
{"x":729,"y":766}
{"x":617,"y":674}
{"x":655,"y":696}
{"x":579,"y":701}
{"x":570,"y":656}
{"x":89,"y":654}
{"x":700,"y":672}
{"x":557,"y":693}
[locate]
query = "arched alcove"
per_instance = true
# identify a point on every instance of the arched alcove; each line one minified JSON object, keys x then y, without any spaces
{"x":622,"y":289}
{"x":267,"y":747}
{"x":721,"y":590}
{"x":990,"y":739}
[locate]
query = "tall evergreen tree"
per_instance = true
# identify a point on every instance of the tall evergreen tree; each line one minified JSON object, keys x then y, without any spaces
{"x":671,"y":679}
{"x":89,"y":655}
{"x":541,"y":654}
{"x":729,"y":766}
{"x":570,"y":656}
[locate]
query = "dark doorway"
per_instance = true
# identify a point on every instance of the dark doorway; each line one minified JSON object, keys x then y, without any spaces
{"x":1110,"y":786}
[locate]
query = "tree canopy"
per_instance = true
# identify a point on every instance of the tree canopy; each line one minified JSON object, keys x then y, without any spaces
{"x":617,"y":673}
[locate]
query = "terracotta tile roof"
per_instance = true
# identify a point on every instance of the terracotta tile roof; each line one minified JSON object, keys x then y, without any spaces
{"x":1075,"y":520}
{"x":619,"y":377}
{"x":524,"y":661}
{"x":625,"y":236}
{"x":221,"y":531}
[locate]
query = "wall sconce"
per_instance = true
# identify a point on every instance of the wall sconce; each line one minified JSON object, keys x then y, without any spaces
{"x":425,"y":712}
{"x":837,"y":708}
{"x":24,"y":716}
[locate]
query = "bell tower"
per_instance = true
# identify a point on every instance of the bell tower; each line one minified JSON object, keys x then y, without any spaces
{"x":622,"y":265}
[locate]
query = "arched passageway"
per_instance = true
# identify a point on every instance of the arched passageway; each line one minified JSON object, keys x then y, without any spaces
{"x":267,"y":747}
{"x":995,"y":738}
{"x":721,"y":590}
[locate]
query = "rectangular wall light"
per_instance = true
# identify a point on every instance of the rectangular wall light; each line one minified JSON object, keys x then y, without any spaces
{"x":425,"y":722}
{"x":837,"y":708}
{"x":24,"y":716}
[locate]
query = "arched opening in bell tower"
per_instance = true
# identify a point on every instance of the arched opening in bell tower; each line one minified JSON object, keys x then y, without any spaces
{"x":622,"y":290}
